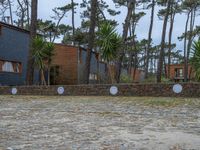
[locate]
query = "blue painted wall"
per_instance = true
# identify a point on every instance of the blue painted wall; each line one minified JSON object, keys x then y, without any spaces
{"x":14,"y":46}
{"x":93,"y":68}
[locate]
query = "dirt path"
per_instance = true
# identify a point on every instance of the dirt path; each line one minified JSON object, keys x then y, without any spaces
{"x":99,"y":123}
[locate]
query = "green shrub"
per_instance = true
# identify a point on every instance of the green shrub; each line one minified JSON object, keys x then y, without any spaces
{"x":126,"y":78}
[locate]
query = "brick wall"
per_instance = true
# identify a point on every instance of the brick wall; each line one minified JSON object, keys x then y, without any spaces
{"x":179,"y":66}
{"x":155,"y":90}
{"x":66,"y":57}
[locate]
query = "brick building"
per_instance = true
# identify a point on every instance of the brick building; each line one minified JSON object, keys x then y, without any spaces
{"x":177,"y":72}
{"x":68,"y":66}
{"x":14,"y":48}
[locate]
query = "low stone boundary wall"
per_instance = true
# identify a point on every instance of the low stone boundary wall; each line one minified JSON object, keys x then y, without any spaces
{"x":155,"y":90}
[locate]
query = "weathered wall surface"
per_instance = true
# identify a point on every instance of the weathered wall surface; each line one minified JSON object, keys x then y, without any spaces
{"x":66,"y":57}
{"x":71,"y":62}
{"x":180,"y":66}
{"x":95,"y":67}
{"x":155,"y":90}
{"x":14,"y":46}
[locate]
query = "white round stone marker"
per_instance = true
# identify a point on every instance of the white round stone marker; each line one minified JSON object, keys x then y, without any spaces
{"x":14,"y":91}
{"x":113,"y":90}
{"x":177,"y":88}
{"x":60,"y":90}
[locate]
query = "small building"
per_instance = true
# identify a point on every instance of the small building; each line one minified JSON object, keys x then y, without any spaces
{"x":68,"y":66}
{"x":177,"y":72}
{"x":14,"y":48}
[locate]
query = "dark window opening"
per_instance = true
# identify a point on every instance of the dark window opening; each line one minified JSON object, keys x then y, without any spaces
{"x":93,"y":76}
{"x":178,"y":72}
{"x":54,"y":73}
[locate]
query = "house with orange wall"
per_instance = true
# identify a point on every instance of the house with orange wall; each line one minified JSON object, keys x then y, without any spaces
{"x":176,"y":72}
{"x":68,"y":66}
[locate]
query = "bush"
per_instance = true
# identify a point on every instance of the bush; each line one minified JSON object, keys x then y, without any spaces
{"x":126,"y":78}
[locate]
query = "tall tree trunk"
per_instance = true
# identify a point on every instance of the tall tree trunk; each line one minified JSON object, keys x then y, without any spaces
{"x":129,"y":67}
{"x":172,"y":16}
{"x":192,"y":20}
{"x":149,"y":39}
{"x":135,"y":65}
{"x":131,"y":6}
{"x":49,"y":72}
{"x":162,"y":50}
{"x":27,"y":12}
{"x":185,"y":47}
{"x":110,"y":71}
{"x":57,"y":25}
{"x":165,"y":67}
{"x":94,"y":4}
{"x":22,"y":14}
{"x":73,"y":24}
{"x":33,"y":33}
{"x":155,"y":61}
{"x":151,"y":66}
{"x":98,"y":72}
{"x":43,"y":81}
{"x":10,"y":9}
{"x":130,"y":63}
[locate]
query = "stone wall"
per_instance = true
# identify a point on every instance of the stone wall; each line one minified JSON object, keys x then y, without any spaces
{"x":155,"y":90}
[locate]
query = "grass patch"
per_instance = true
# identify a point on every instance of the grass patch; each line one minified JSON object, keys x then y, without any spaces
{"x":107,"y":114}
{"x":163,"y":102}
{"x":93,"y":100}
{"x":171,"y":102}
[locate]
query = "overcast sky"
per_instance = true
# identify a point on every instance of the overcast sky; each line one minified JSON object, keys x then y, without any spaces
{"x":46,"y":6}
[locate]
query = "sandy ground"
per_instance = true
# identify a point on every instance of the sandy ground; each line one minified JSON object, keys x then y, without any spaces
{"x":99,"y":123}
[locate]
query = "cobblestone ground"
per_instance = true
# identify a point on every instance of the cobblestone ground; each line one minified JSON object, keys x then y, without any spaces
{"x":98,"y":123}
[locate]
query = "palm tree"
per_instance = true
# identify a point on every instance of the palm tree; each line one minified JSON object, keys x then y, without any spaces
{"x":42,"y":56}
{"x":195,"y":61}
{"x":109,"y":42}
{"x":49,"y":52}
{"x":38,"y":47}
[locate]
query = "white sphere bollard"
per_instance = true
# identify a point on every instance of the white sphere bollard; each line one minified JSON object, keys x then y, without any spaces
{"x":113,"y":90}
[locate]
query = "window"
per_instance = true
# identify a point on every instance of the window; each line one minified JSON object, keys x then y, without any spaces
{"x":54,"y":73}
{"x":17,"y":67}
{"x":9,"y":66}
{"x":92,"y":76}
{"x":178,"y":72}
